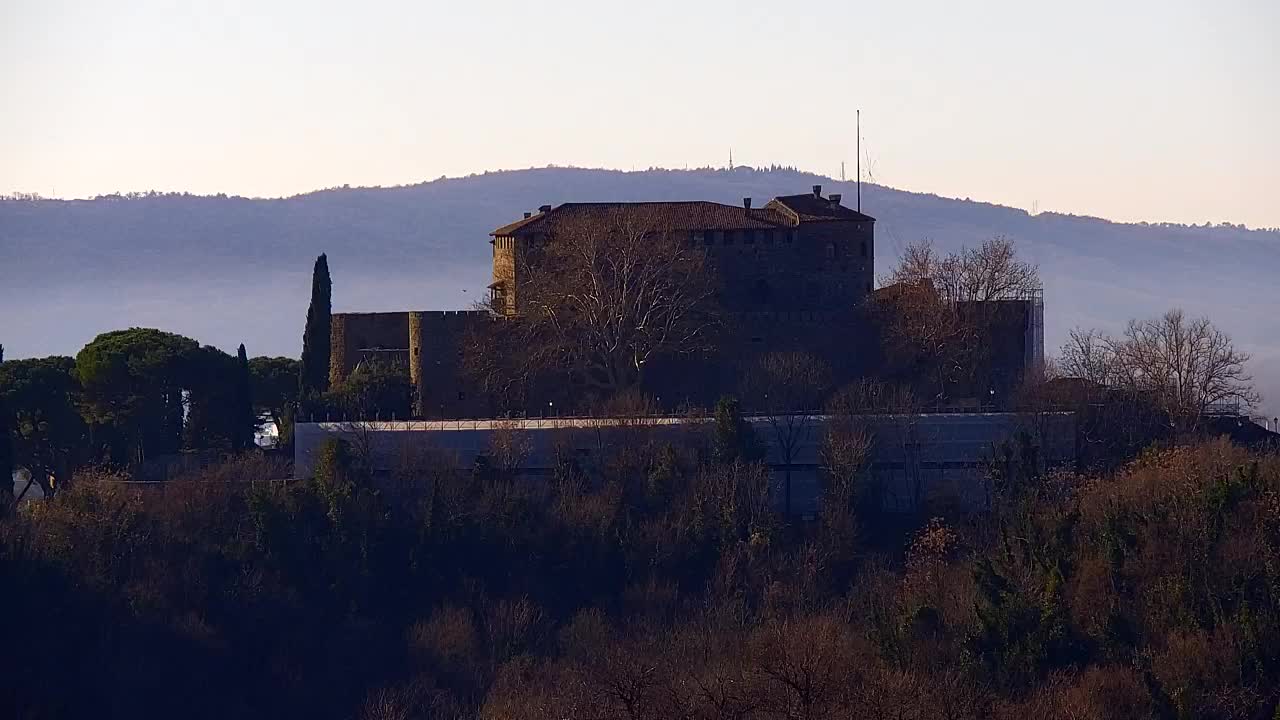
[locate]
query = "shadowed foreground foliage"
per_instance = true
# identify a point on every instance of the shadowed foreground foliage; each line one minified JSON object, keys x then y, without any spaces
{"x":667,"y":590}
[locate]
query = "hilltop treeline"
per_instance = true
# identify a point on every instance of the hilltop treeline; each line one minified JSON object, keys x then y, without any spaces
{"x":662,"y":587}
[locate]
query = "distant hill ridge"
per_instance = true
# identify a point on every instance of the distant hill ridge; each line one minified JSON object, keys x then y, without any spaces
{"x":230,"y":269}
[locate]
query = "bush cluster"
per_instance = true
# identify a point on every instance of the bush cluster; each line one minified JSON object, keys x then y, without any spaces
{"x":660,"y":586}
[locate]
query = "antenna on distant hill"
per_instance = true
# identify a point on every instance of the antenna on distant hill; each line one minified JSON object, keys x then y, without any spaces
{"x":841,"y":171}
{"x":858,"y":127}
{"x":730,"y":158}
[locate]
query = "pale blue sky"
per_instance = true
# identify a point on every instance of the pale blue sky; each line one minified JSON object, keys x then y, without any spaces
{"x":1165,"y":110}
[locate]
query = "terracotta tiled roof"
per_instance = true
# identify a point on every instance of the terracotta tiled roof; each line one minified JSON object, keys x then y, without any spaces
{"x":809,"y":208}
{"x":684,"y":215}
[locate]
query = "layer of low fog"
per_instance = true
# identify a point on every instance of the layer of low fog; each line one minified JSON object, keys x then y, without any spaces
{"x":231,"y":270}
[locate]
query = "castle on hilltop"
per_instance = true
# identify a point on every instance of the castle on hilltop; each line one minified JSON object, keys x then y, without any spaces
{"x":791,"y":275}
{"x":798,"y":253}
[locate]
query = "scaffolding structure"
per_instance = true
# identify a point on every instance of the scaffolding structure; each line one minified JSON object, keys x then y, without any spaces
{"x":1034,"y":340}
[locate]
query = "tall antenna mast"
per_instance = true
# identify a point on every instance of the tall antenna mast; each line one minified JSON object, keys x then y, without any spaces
{"x":858,"y":146}
{"x":730,"y":158}
{"x":841,"y":171}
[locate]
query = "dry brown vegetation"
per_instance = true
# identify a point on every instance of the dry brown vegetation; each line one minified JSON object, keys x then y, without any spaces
{"x":659,"y":586}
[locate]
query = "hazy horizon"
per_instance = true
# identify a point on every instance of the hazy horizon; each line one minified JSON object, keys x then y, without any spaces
{"x":555,"y":166}
{"x":1158,"y":112}
{"x":228,"y":271}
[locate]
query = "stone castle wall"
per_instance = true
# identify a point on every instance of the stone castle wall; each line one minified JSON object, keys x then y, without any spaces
{"x":848,"y":342}
{"x":504,"y":272}
{"x":817,"y":266}
{"x":428,"y":342}
{"x":814,"y":266}
{"x":353,"y":335}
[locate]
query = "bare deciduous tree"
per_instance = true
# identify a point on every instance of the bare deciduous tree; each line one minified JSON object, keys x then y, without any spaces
{"x":1187,"y":367}
{"x":493,"y":360}
{"x":509,"y":448}
{"x":847,"y":442}
{"x":789,"y":389}
{"x":986,"y":273}
{"x":941,"y":309}
{"x":1087,"y":355}
{"x":605,"y":299}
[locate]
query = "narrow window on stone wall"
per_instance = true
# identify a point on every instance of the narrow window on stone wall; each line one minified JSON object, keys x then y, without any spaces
{"x":768,"y":236}
{"x":748,"y":237}
{"x":728,"y":237}
{"x":864,"y":248}
{"x":708,"y":238}
{"x":868,"y":287}
{"x":791,"y":236}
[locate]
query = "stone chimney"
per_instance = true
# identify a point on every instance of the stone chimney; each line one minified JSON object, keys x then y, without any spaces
{"x":746,"y":203}
{"x":528,"y":215}
{"x":817,"y":192}
{"x":544,"y":208}
{"x":835,"y":199}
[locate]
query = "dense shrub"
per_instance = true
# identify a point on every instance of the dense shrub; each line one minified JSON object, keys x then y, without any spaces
{"x":658,"y":587}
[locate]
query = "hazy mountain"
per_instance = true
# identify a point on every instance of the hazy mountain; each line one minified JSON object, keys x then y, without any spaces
{"x":230,"y":270}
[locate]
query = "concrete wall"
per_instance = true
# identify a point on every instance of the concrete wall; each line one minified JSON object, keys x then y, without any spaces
{"x":915,"y":459}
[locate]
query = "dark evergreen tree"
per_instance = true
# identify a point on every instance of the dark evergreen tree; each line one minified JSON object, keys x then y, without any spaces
{"x":734,"y":439}
{"x":246,"y":420}
{"x":45,"y":432}
{"x":214,"y":419}
{"x":133,"y":383}
{"x":313,"y":376}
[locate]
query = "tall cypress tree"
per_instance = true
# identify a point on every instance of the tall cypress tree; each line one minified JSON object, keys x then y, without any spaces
{"x":245,"y":421}
{"x":313,"y":375}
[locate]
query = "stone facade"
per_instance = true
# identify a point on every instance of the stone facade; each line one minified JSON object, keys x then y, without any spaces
{"x":427,"y":343}
{"x":798,"y":253}
{"x":793,"y":275}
